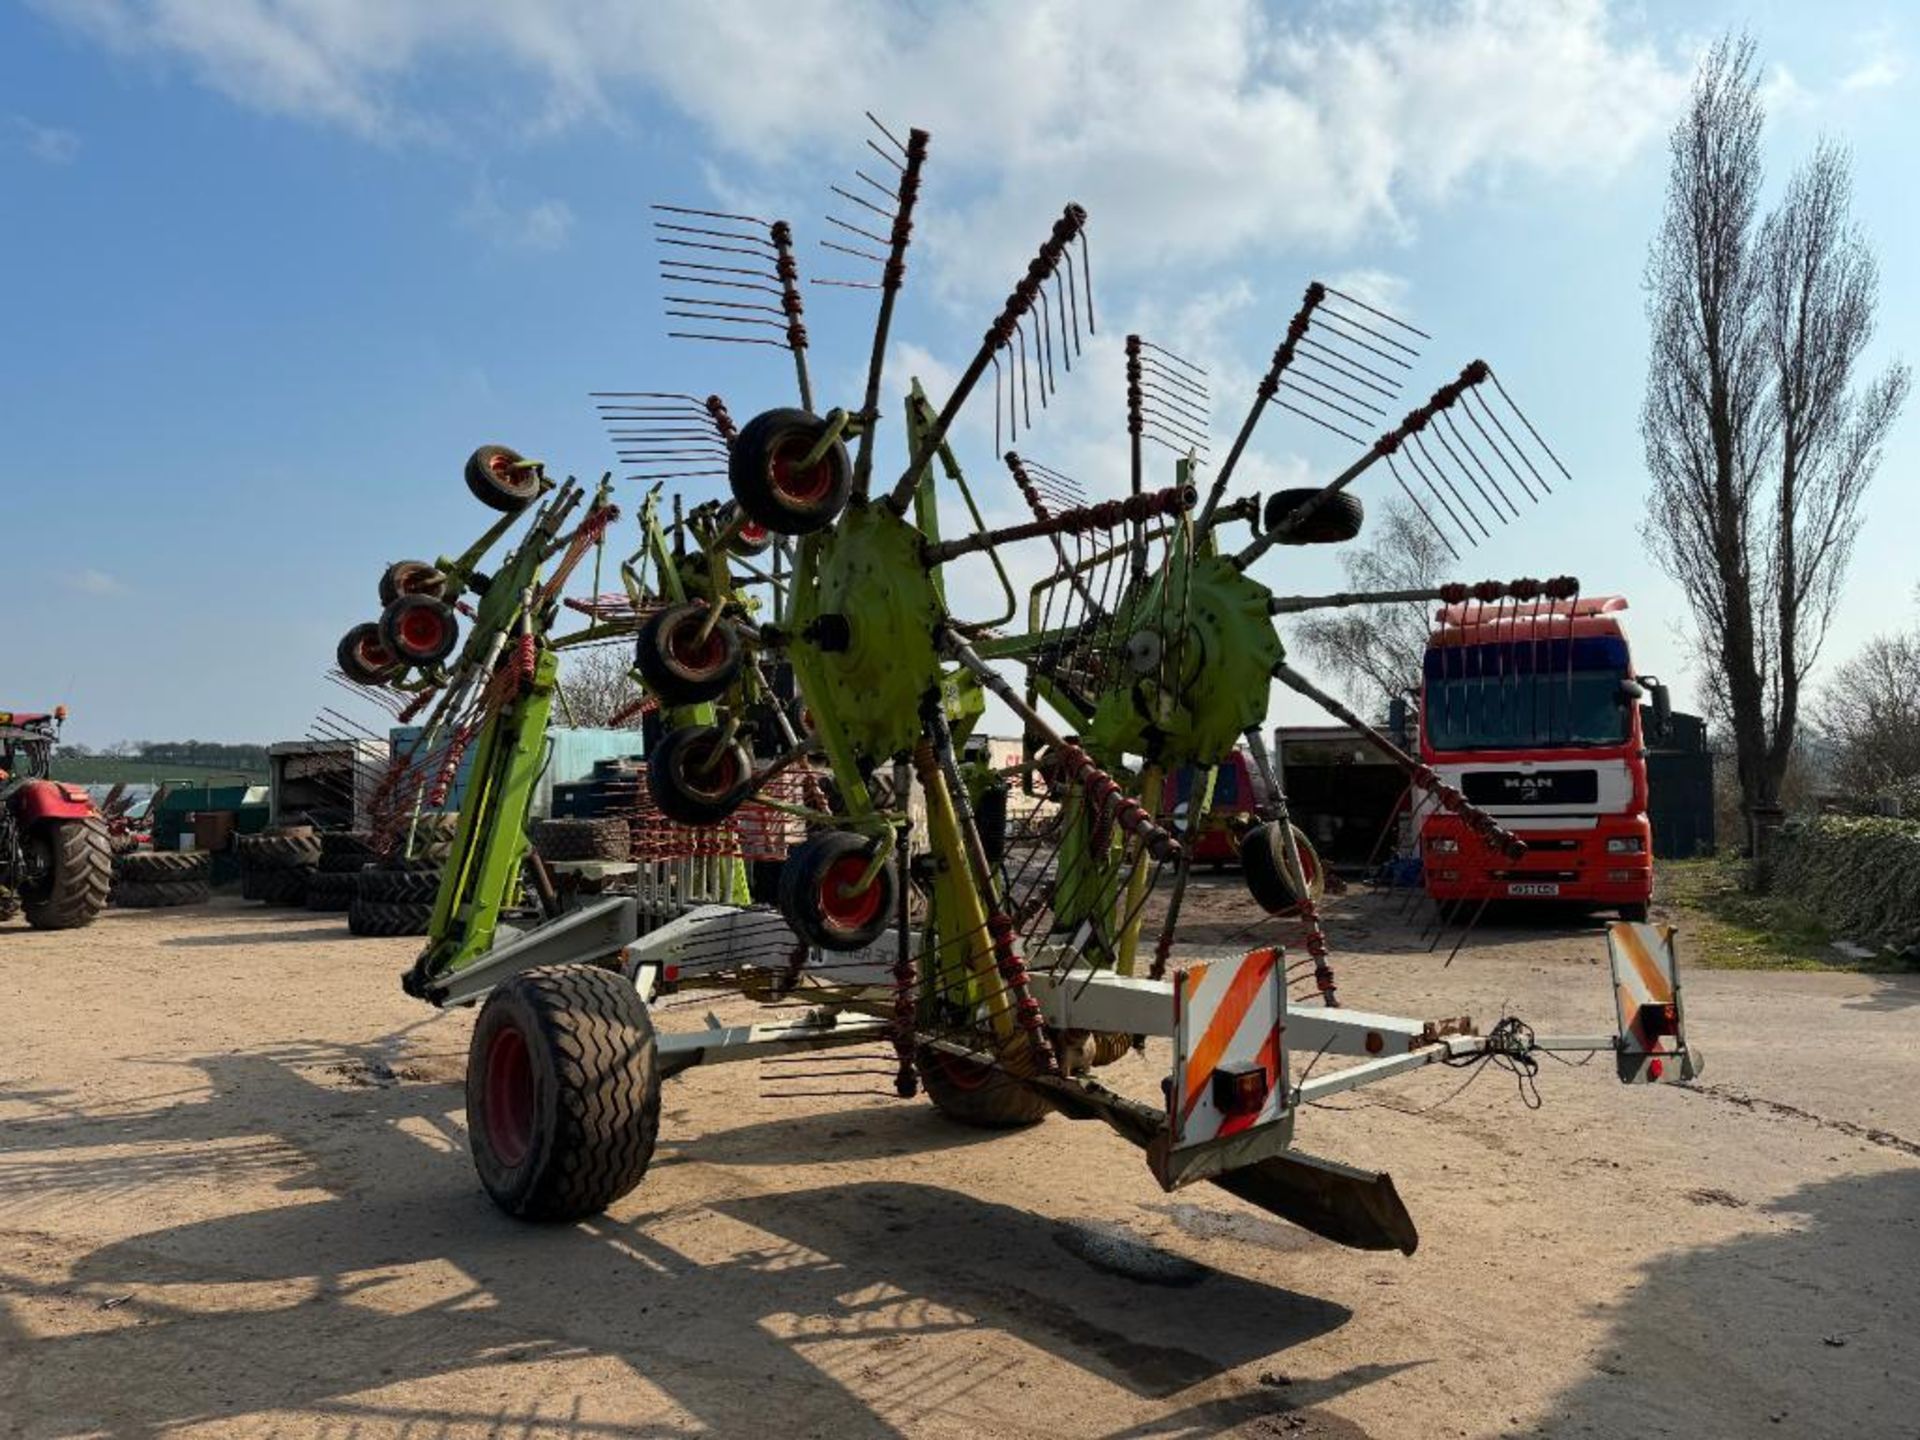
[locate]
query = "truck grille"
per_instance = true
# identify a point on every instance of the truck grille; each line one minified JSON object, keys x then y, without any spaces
{"x":1538,"y":787}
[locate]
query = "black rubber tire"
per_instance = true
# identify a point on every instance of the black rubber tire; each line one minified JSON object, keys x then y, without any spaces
{"x":354,"y":843}
{"x":411,"y":577}
{"x":609,"y":838}
{"x":1263,"y":865}
{"x":433,"y":836}
{"x":677,"y":667}
{"x":420,"y":629}
{"x":159,"y":894}
{"x":569,"y":1126}
{"x":1334,"y":523}
{"x":1635,"y":913}
{"x":500,"y":481}
{"x":288,"y":886}
{"x":386,"y":918}
{"x":142,"y":867}
{"x":990,"y":818}
{"x":331,"y":891}
{"x":279,"y":850}
{"x":363,"y":656}
{"x":970,"y":1093}
{"x":804,"y":892}
{"x":758,"y":470}
{"x":397,"y":887}
{"x":82,"y":860}
{"x":683,"y":786}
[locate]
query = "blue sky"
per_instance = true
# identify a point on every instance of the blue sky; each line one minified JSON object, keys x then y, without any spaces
{"x":274,"y":267}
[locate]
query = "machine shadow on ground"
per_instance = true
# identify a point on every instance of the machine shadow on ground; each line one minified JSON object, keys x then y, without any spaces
{"x":802,"y":1304}
{"x":1821,"y":1318}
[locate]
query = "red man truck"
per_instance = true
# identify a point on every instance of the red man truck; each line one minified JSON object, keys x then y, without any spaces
{"x":1534,"y":712}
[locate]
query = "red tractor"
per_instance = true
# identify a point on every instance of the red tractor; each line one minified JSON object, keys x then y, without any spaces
{"x":55,"y":857}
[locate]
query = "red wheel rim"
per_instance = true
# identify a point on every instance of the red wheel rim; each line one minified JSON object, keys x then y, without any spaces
{"x":689,"y":651}
{"x":711,"y":783}
{"x":509,"y":1107}
{"x":421,"y":630}
{"x":754,"y":533}
{"x":797,"y":486}
{"x":840,"y":905}
{"x":371,"y":653}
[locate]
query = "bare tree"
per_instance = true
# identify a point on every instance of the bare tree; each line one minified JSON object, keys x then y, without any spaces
{"x":1759,"y":444}
{"x":1871,"y":710}
{"x":1374,"y":652}
{"x":597,"y":686}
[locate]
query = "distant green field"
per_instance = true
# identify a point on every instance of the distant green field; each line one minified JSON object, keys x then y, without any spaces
{"x":109,"y":770}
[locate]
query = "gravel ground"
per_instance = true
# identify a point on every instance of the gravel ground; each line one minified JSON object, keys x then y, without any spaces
{"x":235,"y":1200}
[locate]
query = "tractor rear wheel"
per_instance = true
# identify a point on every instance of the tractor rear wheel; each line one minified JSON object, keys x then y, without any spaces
{"x":771,"y":484}
{"x":563,"y":1092}
{"x":79,"y":862}
{"x":970,"y":1093}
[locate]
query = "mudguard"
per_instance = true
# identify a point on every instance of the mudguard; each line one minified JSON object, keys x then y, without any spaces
{"x":39,"y":800}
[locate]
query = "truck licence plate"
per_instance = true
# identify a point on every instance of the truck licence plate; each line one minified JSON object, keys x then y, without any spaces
{"x":1539,"y":888}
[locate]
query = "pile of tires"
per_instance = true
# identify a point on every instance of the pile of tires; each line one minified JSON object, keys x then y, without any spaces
{"x":394,"y":897}
{"x":152,"y":879}
{"x":607,"y":838}
{"x":336,"y":878}
{"x":276,"y":865}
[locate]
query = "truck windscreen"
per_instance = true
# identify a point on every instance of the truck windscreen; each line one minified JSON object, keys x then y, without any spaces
{"x":1527,"y":694}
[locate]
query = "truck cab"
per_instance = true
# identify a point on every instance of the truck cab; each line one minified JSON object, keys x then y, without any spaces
{"x":1533,"y":711}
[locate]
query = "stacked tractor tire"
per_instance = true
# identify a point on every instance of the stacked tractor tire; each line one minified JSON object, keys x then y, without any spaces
{"x":336,"y":877}
{"x":606,"y":838}
{"x":394,"y":894}
{"x":153,"y":879}
{"x":276,"y":865}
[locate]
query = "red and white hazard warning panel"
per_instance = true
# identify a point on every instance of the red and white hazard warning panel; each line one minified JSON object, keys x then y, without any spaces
{"x":1227,"y":1098}
{"x":1652,"y":1044}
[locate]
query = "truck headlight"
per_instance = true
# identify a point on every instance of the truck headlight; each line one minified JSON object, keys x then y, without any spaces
{"x":1444,"y":846}
{"x":1626,"y":845}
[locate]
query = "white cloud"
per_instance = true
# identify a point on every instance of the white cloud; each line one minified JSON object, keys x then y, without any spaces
{"x":93,"y":582}
{"x":48,"y":144}
{"x":1191,"y":133}
{"x":1875,"y":74}
{"x":543,"y":225}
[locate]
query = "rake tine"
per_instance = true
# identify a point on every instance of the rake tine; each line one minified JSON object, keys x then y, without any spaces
{"x":1498,"y":449}
{"x":1298,"y":378}
{"x":1519,"y":450}
{"x":1348,"y":376}
{"x":1374,"y":310}
{"x":1323,"y":424}
{"x":1308,"y":343}
{"x":1419,"y":442}
{"x":1367,"y":329}
{"x":1539,"y":439}
{"x":857,"y":254}
{"x":1453,"y":428}
{"x":750,"y":238}
{"x":1394,"y":470}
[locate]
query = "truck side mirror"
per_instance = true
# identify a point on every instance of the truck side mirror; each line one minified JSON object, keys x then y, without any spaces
{"x":1662,"y":707}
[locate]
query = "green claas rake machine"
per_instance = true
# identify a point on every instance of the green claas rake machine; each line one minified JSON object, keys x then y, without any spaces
{"x":806,"y":658}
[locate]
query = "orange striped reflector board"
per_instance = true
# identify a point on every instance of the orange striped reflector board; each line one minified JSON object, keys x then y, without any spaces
{"x":1646,"y":995}
{"x":1228,"y":1020}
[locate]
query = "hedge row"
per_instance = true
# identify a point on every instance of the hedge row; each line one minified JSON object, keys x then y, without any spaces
{"x":1860,"y":876}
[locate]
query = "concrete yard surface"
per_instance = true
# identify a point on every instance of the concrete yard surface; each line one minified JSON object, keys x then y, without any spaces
{"x":235,"y":1199}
